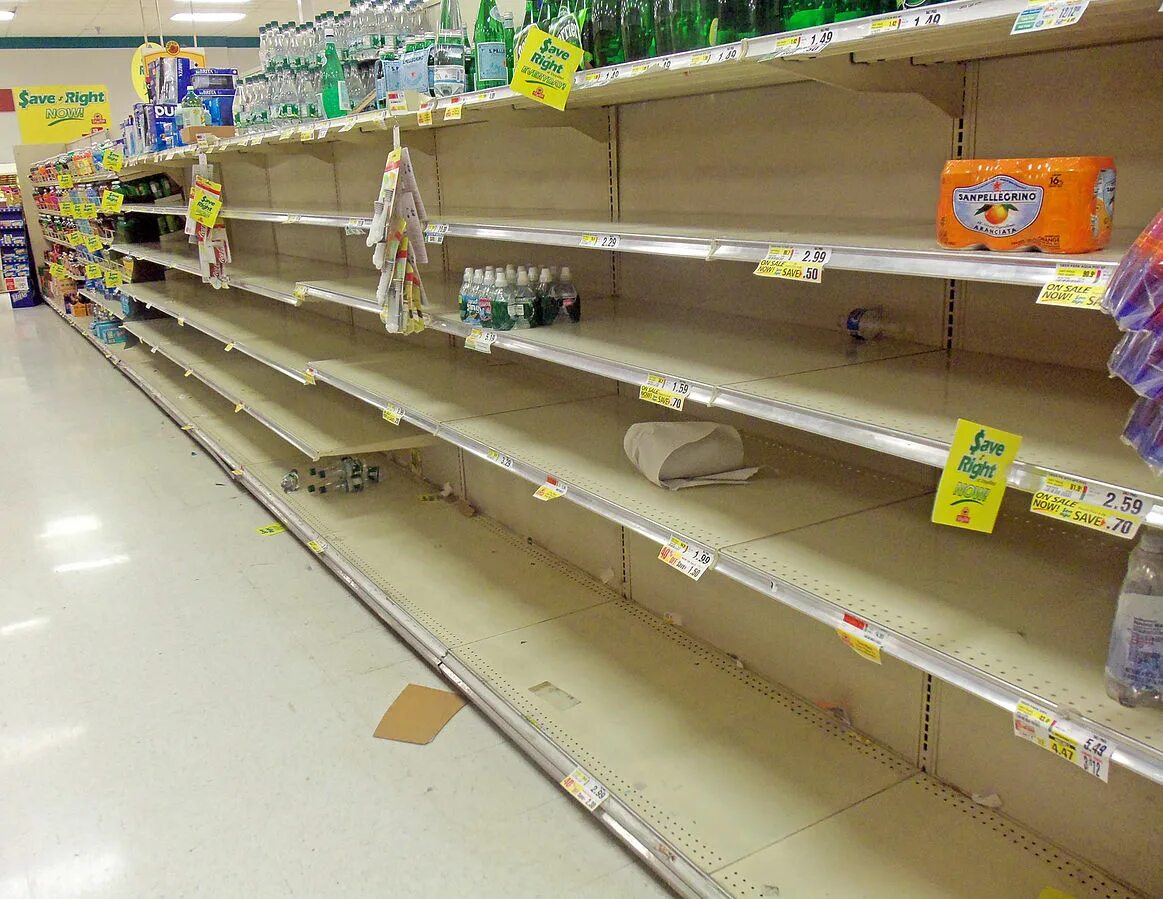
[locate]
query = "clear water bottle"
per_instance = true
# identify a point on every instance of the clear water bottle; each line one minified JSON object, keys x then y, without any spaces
{"x":869,"y":323}
{"x":547,"y":307}
{"x":473,"y":298}
{"x":462,"y":297}
{"x":485,"y":299}
{"x":565,"y":295}
{"x":502,"y":300}
{"x":1134,"y":662}
{"x":522,"y":308}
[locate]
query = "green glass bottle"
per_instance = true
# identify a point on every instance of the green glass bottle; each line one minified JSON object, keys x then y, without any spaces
{"x":336,"y":102}
{"x":638,"y":29}
{"x":664,"y":27}
{"x":736,"y":20}
{"x":528,"y":22}
{"x":690,"y":24}
{"x":489,"y":49}
{"x":585,"y":24}
{"x":607,"y":28}
{"x":810,"y":13}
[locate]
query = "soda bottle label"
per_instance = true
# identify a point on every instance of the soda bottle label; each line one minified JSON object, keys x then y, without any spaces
{"x":447,"y":80}
{"x":998,"y":207}
{"x":491,"y":64}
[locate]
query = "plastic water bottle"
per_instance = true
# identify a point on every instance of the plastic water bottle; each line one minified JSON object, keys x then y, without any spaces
{"x":1134,"y":662}
{"x":462,"y":298}
{"x":522,"y":307}
{"x":485,"y":298}
{"x":547,"y":307}
{"x":868,"y":323}
{"x":473,"y":298}
{"x":501,"y":300}
{"x":566,"y":297}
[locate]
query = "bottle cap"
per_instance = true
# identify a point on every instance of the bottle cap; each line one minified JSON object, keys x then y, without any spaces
{"x":565,"y":275}
{"x":500,"y":280}
{"x":545,"y":274}
{"x":522,"y":278}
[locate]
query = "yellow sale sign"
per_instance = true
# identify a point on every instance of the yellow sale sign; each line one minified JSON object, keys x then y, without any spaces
{"x":544,"y":70}
{"x":57,"y":113}
{"x":974,"y":480}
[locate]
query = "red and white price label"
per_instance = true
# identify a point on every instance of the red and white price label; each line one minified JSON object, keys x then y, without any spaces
{"x":862,"y":638}
{"x":551,"y":489}
{"x":585,"y":788}
{"x":682,"y":556}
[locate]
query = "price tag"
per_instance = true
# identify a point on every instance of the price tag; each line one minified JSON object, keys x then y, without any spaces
{"x":973,"y":481}
{"x":591,"y":79}
{"x":88,"y":210}
{"x":639,"y":69}
{"x":396,"y":103}
{"x":922,"y":18}
{"x":663,"y":391}
{"x":551,"y":489}
{"x":584,"y":787}
{"x":293,"y":219}
{"x":480,"y":340}
{"x":111,"y":201}
{"x":228,"y":347}
{"x":300,"y":292}
{"x":1066,"y":739}
{"x":500,"y":459}
{"x":700,"y":59}
{"x":435,"y":233}
{"x":784,"y":46}
{"x":454,"y":109}
{"x":181,"y":321}
{"x":65,"y":180}
{"x":286,"y":134}
{"x":394,"y":414}
{"x":1117,"y":512}
{"x":814,"y":42}
{"x":790,"y":271}
{"x":1045,"y":16}
{"x":114,"y":160}
{"x":92,"y":270}
{"x":186,"y":374}
{"x":93,"y":243}
{"x":67,"y":208}
{"x":307,"y":133}
{"x":315,"y":546}
{"x":681,"y":556}
{"x":269,"y":530}
{"x":599,"y":241}
{"x":354,"y":226}
{"x":424,"y":115}
{"x":57,"y":270}
{"x":113,"y":278}
{"x":1075,"y":286}
{"x":861,"y":637}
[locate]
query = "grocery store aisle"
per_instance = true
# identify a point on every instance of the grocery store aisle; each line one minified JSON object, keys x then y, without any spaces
{"x":188,"y":706}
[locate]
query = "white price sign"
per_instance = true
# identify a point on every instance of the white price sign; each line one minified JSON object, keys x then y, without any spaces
{"x":1075,"y":286}
{"x":793,"y":263}
{"x":1111,"y":511}
{"x":681,"y":556}
{"x":814,"y":42}
{"x":663,"y":391}
{"x":480,"y":340}
{"x":500,"y":459}
{"x":435,"y":233}
{"x":599,"y":241}
{"x":1070,"y":741}
{"x":585,"y":788}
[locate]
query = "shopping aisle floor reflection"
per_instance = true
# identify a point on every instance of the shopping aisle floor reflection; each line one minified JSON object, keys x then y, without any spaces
{"x":187,"y":706}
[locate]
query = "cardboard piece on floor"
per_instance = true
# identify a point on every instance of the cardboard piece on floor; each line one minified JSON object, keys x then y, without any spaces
{"x":418,"y":714}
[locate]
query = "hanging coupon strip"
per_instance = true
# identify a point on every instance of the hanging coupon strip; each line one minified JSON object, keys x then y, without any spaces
{"x":435,"y":233}
{"x":1072,"y":742}
{"x":794,"y":263}
{"x":599,"y":241}
{"x":1117,"y":512}
{"x":1045,"y":16}
{"x":681,"y":556}
{"x":480,"y":340}
{"x":393,"y":414}
{"x":663,"y":391}
{"x":1076,"y":286}
{"x":585,"y":788}
{"x":861,"y":637}
{"x":551,"y":489}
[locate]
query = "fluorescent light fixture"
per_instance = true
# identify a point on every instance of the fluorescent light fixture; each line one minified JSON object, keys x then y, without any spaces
{"x":208,"y":17}
{"x":7,"y":15}
{"x":70,"y":524}
{"x":91,"y":564}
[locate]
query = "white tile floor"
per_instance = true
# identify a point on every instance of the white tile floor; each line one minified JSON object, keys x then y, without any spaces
{"x":186,"y":707}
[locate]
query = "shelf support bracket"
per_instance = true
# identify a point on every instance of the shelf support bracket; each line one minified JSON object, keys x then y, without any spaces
{"x":940,"y":83}
{"x":590,"y":121}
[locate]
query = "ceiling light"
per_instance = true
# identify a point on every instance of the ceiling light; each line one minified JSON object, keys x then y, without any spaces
{"x":208,"y":17}
{"x":7,"y":15}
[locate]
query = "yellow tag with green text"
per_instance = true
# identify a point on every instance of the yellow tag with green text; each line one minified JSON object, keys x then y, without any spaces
{"x":111,"y":201}
{"x":544,"y":70}
{"x":74,"y":238}
{"x":67,"y":208}
{"x":974,"y":480}
{"x":205,"y":201}
{"x":65,"y":179}
{"x":92,"y":271}
{"x":88,"y":210}
{"x":93,"y":243}
{"x":112,"y":278}
{"x":57,"y":270}
{"x":113,"y":160}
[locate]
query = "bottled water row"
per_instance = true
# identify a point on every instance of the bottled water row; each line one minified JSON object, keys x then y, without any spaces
{"x":360,"y":33}
{"x":512,"y":297}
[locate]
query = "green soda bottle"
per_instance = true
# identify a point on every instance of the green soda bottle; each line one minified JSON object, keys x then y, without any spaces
{"x":638,"y":29}
{"x":737,"y":19}
{"x":813,"y":13}
{"x":607,"y":27}
{"x":489,"y":49}
{"x":691,"y":23}
{"x":664,"y":27}
{"x":336,"y":102}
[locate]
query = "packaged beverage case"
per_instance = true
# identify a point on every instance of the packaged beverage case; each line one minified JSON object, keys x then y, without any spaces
{"x":522,"y":307}
{"x":336,"y":102}
{"x":565,"y":295}
{"x":1134,"y":664}
{"x":1135,"y":294}
{"x":1060,"y":205}
{"x":607,"y":28}
{"x":489,"y":52}
{"x":1138,"y":360}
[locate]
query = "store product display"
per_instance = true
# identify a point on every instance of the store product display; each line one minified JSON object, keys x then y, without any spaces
{"x":674,"y":454}
{"x":348,"y":474}
{"x":16,"y":279}
{"x":515,"y":296}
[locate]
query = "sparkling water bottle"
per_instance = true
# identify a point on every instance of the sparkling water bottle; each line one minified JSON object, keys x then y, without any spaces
{"x":1134,"y":663}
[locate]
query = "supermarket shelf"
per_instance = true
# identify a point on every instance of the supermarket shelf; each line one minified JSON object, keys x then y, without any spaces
{"x":884,"y":247}
{"x":769,"y":780}
{"x":286,"y":343}
{"x":890,"y":396}
{"x":316,"y":424}
{"x":110,"y":306}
